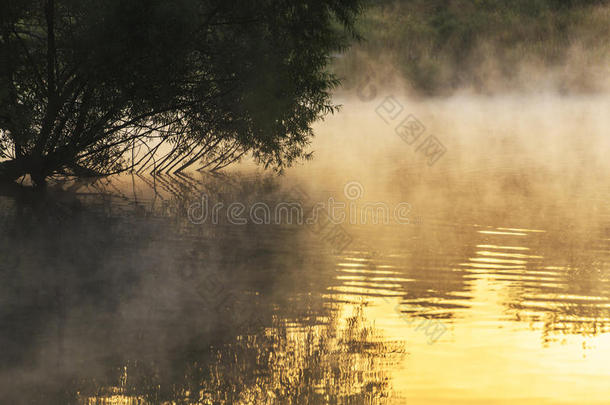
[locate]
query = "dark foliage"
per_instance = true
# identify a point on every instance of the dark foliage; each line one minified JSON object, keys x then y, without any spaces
{"x":94,"y":87}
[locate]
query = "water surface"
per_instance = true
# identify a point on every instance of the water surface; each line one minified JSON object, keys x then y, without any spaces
{"x":495,"y":290}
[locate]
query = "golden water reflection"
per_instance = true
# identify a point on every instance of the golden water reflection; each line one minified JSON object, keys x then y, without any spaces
{"x":133,"y":304}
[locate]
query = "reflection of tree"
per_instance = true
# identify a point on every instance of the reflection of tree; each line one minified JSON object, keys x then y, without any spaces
{"x":124,"y":304}
{"x":63,"y":269}
{"x":283,"y":364}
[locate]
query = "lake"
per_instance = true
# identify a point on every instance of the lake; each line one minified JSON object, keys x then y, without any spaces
{"x":440,"y":251}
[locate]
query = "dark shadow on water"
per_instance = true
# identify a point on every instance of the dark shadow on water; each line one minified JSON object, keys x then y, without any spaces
{"x":110,"y":294}
{"x":107,"y":296}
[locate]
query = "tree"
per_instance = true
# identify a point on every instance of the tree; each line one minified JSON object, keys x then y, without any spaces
{"x":93,"y":87}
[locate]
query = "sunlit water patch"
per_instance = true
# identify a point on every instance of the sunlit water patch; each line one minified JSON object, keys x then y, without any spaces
{"x":497,"y":290}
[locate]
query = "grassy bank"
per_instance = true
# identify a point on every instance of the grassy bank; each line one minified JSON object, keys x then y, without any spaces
{"x":485,"y":45}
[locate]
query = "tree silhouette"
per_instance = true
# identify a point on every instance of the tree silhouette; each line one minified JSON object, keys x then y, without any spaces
{"x":93,"y":88}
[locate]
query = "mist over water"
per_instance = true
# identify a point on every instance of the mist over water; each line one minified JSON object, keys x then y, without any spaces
{"x":448,"y":243}
{"x":497,"y":287}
